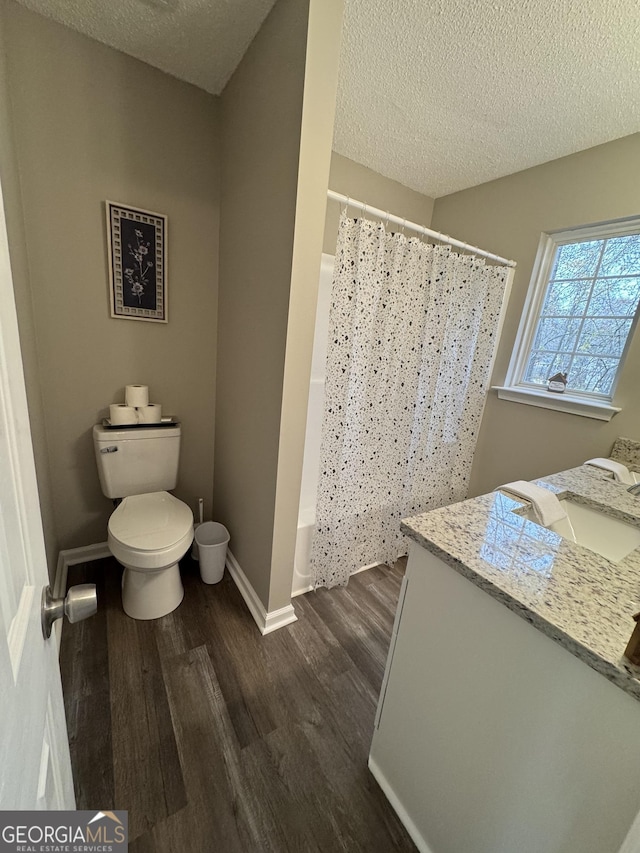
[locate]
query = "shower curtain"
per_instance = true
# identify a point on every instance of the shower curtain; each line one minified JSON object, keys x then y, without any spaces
{"x":412,"y":332}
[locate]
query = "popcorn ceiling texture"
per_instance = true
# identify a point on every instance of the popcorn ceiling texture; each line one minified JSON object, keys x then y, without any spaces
{"x":199,"y":41}
{"x":439,"y":95}
{"x":448,"y":94}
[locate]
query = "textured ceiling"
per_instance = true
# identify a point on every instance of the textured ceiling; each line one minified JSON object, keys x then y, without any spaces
{"x":441,"y":95}
{"x":200,"y":41}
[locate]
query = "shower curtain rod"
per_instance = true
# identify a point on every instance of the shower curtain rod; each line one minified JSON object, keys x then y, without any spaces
{"x":413,"y":226}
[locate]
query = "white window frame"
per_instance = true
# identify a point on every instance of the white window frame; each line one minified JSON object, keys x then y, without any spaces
{"x":515,"y":388}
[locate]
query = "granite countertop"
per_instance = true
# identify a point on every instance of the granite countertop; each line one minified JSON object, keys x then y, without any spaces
{"x":578,"y":598}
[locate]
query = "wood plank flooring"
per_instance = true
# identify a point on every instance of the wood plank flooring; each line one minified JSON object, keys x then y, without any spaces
{"x":217,"y":739}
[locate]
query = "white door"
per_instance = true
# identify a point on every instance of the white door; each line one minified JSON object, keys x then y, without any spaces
{"x":35,"y":770}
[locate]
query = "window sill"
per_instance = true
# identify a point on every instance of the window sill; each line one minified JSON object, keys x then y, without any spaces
{"x":570,"y":403}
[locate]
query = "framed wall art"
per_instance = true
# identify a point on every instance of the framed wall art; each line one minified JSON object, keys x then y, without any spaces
{"x":137,"y":263}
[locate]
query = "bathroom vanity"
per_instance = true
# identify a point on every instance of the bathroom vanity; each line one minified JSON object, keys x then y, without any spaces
{"x":507,"y":721}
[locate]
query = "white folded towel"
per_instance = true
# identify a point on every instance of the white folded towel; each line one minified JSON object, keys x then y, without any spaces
{"x":621,"y":473}
{"x":546,"y":505}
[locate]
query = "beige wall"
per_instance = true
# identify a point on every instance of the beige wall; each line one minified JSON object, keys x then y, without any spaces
{"x":261,"y":119}
{"x":363,"y":184}
{"x":507,"y":217}
{"x":319,"y":103}
{"x":20,"y":271}
{"x":93,"y":124}
{"x":276,"y":132}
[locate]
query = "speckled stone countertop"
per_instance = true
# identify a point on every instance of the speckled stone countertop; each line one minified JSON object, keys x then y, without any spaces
{"x":578,"y":598}
{"x":627,"y":450}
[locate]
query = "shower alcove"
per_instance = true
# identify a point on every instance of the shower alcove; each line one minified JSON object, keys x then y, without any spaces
{"x":302,"y":581}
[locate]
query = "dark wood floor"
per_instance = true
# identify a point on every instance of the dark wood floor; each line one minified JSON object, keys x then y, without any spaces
{"x":217,"y":739}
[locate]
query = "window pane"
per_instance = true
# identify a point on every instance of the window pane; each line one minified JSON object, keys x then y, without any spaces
{"x":621,"y":256}
{"x":543,"y":365}
{"x":590,"y":302}
{"x":557,"y":334}
{"x":607,"y":337}
{"x":575,"y":260}
{"x":592,"y":373}
{"x":566,"y":298}
{"x":615,"y":297}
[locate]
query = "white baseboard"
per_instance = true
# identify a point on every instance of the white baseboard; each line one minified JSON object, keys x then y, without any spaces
{"x":71,"y":557}
{"x":266,"y":621}
{"x":275,"y":619}
{"x":398,"y":808}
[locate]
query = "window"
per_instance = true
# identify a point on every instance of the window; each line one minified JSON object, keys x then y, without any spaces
{"x":580,"y":314}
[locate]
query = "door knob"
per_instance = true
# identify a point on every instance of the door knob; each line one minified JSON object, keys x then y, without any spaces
{"x":79,"y":603}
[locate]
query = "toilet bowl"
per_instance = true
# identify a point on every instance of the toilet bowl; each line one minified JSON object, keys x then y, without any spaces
{"x":148,"y":534}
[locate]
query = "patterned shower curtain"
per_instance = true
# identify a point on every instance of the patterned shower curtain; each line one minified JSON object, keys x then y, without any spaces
{"x":412,"y":332}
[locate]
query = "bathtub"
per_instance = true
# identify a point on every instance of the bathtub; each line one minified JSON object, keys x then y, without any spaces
{"x":302,"y":581}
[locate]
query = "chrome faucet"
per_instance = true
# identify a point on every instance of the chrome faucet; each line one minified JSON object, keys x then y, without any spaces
{"x":635,"y":489}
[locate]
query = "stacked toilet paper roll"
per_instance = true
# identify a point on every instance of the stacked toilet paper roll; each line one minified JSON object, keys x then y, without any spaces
{"x":136,"y":396}
{"x":149,"y":414}
{"x":136,"y":409}
{"x":120,"y":414}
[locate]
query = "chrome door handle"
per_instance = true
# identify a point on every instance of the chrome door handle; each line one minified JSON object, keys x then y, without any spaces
{"x":79,"y":603}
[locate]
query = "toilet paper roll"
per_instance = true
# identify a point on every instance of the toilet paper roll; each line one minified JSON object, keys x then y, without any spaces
{"x":121,"y":414}
{"x":150,"y":414}
{"x":136,"y":395}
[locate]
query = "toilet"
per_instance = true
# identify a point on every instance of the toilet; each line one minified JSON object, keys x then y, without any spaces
{"x":150,"y":530}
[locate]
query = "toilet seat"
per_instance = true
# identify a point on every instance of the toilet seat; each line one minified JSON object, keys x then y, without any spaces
{"x":150,"y":522}
{"x":150,"y":532}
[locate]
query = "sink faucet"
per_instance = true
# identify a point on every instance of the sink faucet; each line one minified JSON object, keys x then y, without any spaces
{"x":635,"y":489}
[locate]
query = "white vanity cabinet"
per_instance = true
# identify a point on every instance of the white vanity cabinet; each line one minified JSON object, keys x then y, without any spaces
{"x":492,"y":736}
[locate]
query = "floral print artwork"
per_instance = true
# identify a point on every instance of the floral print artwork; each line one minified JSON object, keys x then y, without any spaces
{"x":412,"y":332}
{"x":137,"y":276}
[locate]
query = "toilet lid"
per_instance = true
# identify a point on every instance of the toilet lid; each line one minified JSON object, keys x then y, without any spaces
{"x":150,"y":522}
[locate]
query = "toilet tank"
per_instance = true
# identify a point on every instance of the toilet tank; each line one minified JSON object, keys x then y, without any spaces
{"x":136,"y":461}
